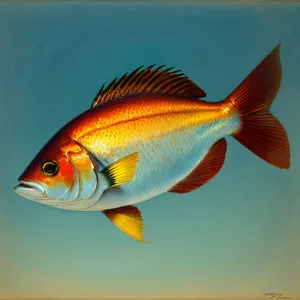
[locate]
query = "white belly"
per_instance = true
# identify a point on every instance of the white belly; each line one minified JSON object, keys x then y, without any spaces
{"x":163,"y":163}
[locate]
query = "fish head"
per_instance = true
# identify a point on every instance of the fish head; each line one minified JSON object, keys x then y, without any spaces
{"x":59,"y":174}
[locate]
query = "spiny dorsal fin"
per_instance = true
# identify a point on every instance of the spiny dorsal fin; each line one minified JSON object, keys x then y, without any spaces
{"x":149,"y":80}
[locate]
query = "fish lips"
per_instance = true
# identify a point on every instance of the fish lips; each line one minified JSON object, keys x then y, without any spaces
{"x":31,"y":190}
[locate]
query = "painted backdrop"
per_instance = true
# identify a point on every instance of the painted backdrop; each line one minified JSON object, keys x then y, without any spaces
{"x":236,"y":237}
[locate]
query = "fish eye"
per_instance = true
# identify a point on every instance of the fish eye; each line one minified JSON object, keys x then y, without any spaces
{"x":49,"y":168}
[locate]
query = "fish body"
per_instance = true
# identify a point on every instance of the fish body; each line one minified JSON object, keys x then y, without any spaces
{"x":171,"y":135}
{"x":149,"y":133}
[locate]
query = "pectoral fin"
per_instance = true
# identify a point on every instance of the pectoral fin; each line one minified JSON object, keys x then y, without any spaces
{"x":128,"y":219}
{"x":121,"y":171}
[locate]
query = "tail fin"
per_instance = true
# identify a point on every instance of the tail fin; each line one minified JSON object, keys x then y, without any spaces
{"x":260,"y":131}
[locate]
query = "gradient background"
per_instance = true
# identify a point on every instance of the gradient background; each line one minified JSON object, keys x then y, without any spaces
{"x":238,"y":237}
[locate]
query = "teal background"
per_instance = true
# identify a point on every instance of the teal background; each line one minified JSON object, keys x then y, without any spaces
{"x":238,"y":237}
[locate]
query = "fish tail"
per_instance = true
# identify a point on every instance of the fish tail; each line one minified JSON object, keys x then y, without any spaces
{"x":259,"y":129}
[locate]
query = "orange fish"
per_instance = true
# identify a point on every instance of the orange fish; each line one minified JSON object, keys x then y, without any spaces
{"x":148,"y":133}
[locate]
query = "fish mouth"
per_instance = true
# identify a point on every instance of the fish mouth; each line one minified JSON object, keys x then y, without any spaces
{"x":31,"y":190}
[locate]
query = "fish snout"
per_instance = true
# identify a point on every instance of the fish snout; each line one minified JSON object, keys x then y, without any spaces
{"x":30,"y":190}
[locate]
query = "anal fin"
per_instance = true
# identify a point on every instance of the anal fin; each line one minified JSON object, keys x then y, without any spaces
{"x":205,"y":170}
{"x":128,"y":219}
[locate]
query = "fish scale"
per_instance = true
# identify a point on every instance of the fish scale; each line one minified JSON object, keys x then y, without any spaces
{"x":163,"y":161}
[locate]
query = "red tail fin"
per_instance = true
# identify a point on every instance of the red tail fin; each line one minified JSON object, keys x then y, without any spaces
{"x":260,"y":131}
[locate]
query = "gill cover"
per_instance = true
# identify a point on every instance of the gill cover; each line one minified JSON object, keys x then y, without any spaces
{"x":85,"y":180}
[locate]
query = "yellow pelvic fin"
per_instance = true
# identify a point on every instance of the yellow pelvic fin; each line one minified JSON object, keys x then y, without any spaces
{"x":121,"y":171}
{"x":129,"y":220}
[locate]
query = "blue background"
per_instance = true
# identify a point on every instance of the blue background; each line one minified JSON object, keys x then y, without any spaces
{"x":236,"y":237}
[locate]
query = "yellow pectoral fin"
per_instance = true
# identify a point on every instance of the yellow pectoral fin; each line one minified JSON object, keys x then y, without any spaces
{"x":128,"y":219}
{"x":121,"y":171}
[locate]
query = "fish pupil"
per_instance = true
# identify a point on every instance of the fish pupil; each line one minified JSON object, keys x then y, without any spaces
{"x":49,"y":168}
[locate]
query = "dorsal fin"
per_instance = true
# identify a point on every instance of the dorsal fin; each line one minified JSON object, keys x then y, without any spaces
{"x":149,"y":80}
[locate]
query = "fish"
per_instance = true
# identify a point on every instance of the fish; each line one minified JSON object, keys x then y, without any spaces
{"x":152,"y":132}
